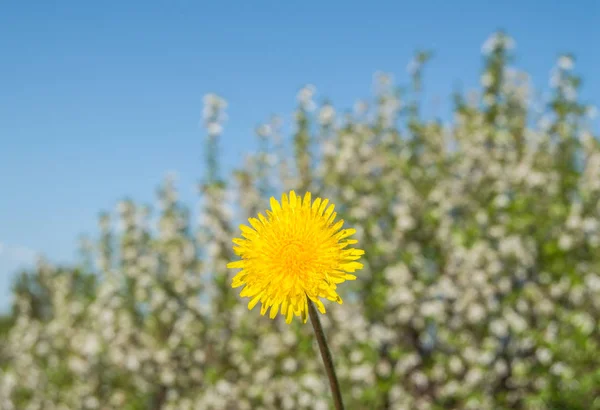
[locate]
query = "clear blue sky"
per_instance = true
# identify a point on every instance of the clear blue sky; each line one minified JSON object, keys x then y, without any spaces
{"x":99,"y":100}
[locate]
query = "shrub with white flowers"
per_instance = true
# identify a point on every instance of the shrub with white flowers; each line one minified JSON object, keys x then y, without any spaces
{"x":481,"y":285}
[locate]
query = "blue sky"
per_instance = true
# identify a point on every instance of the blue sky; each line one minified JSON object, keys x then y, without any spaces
{"x":99,"y":100}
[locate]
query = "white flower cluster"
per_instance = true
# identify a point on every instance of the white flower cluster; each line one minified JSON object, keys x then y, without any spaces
{"x":213,"y":114}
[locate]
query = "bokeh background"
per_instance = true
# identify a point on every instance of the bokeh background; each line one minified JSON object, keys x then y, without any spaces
{"x":459,"y":138}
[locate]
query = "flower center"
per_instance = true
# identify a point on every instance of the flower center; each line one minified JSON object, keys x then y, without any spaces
{"x":295,"y":257}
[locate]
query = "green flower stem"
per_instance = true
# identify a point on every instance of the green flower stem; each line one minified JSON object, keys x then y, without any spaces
{"x":326,"y":355}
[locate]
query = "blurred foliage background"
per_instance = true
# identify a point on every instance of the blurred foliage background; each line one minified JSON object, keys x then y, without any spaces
{"x":481,"y":286}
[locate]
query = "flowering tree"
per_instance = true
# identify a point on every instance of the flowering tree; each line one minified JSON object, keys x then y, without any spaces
{"x":480,"y":287}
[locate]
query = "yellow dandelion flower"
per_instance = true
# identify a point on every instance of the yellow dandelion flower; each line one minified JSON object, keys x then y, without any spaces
{"x":296,"y":252}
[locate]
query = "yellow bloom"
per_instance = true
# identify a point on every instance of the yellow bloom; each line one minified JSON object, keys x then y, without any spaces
{"x":295,"y":252}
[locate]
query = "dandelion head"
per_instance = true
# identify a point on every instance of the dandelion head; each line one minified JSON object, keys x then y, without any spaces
{"x":294,"y":253}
